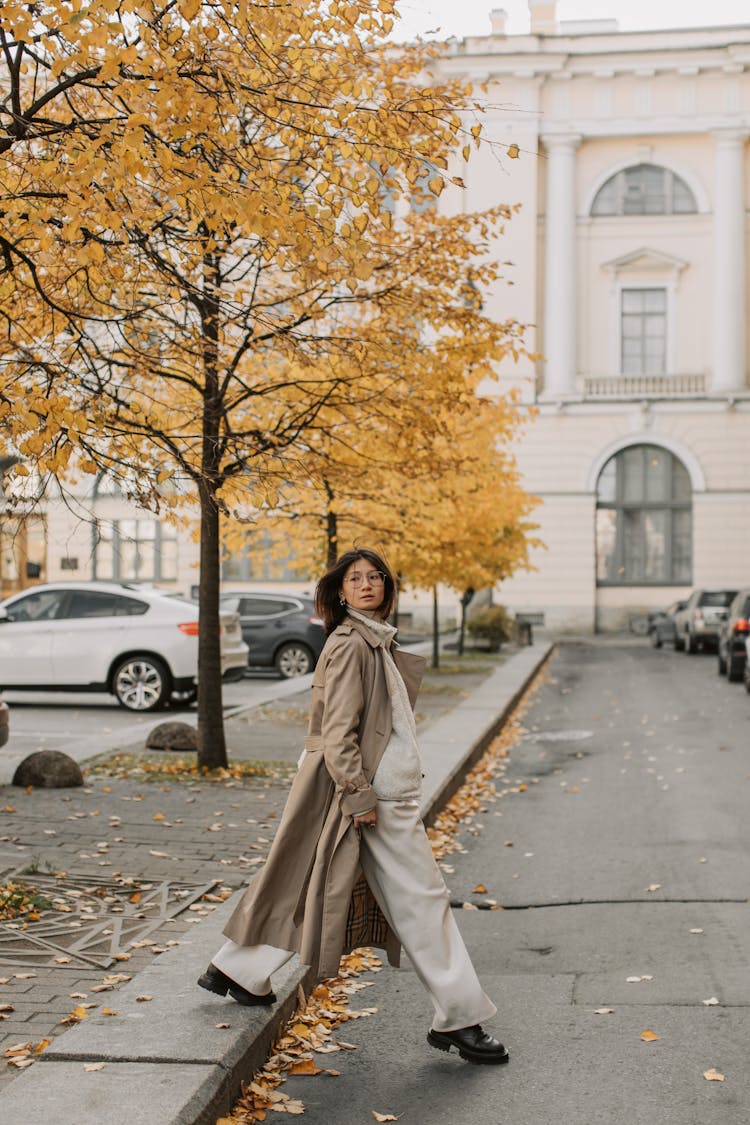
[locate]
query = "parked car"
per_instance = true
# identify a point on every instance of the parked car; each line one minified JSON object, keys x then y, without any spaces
{"x":282,"y":631}
{"x":661,"y":625}
{"x":733,"y":634}
{"x":131,"y":641}
{"x":699,"y":622}
{"x":4,"y":723}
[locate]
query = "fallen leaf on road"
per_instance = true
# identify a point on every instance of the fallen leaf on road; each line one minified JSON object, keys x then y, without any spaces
{"x":305,"y":1066}
{"x":383,"y":1116}
{"x":713,"y":1075}
{"x":696,"y":931}
{"x":480,"y":889}
{"x":108,"y":1012}
{"x":649,"y":1036}
{"x":222,"y":1026}
{"x":712,"y":1001}
{"x":94,"y":1066}
{"x":654,"y":887}
{"x":41,"y":1046}
{"x":603,"y":1011}
{"x":469,"y":906}
{"x":143,"y":999}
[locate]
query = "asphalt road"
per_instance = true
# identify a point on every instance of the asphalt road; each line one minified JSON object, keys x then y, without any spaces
{"x":65,"y":721}
{"x":625,"y":857}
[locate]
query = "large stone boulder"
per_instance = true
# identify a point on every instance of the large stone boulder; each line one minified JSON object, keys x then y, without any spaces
{"x":48,"y":769}
{"x":173,"y":735}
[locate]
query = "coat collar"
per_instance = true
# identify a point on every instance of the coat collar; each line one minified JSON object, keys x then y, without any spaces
{"x":350,"y":625}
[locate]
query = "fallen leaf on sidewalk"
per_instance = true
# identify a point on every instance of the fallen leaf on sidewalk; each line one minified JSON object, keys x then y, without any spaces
{"x":713,"y":1075}
{"x":712,"y":1001}
{"x":383,"y":1116}
{"x":42,"y":1045}
{"x":654,"y":887}
{"x":480,"y":889}
{"x":222,"y":1026}
{"x":143,"y":999}
{"x":603,"y":1011}
{"x":108,"y":1012}
{"x":94,"y":1066}
{"x":649,"y":1036}
{"x":696,"y":931}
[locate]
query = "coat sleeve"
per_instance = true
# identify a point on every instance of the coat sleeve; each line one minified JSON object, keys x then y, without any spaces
{"x":343,"y":707}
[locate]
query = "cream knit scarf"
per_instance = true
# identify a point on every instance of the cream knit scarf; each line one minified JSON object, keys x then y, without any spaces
{"x":399,"y":774}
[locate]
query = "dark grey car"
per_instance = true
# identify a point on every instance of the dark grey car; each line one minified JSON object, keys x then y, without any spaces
{"x":733,"y":636}
{"x":282,"y":631}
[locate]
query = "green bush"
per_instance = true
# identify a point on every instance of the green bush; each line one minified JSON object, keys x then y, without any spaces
{"x":492,"y":624}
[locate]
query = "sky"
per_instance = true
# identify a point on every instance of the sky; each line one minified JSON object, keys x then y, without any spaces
{"x":471,"y":17}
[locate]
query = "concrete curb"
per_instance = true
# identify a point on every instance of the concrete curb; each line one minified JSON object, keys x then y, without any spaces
{"x":166,"y":1060}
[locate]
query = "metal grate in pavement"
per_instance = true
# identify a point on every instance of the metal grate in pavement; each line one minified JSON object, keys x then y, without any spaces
{"x":93,"y":919}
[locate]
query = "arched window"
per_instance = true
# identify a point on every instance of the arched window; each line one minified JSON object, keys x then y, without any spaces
{"x":644,"y":189}
{"x":644,"y":519}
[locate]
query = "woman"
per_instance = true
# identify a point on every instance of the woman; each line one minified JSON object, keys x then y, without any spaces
{"x":351,"y":864}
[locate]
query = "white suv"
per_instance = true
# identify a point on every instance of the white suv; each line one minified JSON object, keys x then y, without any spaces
{"x":136,"y":643}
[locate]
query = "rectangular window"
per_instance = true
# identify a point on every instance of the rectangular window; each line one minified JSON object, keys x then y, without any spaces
{"x":643,"y":331}
{"x":135,"y":551}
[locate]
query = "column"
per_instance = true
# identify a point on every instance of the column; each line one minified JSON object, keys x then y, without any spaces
{"x":560,"y":280}
{"x":729,"y":262}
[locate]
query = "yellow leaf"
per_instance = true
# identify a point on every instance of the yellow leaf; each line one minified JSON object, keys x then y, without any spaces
{"x":363,"y":271}
{"x":649,"y":1036}
{"x":713,"y":1075}
{"x":480,"y":889}
{"x":436,"y":185}
{"x":513,"y":151}
{"x":383,"y":1116}
{"x":305,"y":1066}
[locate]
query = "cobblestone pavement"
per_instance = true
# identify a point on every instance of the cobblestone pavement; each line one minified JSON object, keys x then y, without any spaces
{"x":128,"y":862}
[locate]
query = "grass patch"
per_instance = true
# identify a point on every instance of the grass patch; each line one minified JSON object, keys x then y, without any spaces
{"x":440,"y":689}
{"x":164,"y":766}
{"x":21,"y":900}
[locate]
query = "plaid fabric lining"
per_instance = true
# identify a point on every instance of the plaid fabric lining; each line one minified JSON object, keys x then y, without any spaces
{"x":366,"y":924}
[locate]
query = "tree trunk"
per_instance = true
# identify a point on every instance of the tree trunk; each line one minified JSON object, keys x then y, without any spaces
{"x":332,"y":529}
{"x":212,"y":747}
{"x":435,"y":630}
{"x":462,"y":630}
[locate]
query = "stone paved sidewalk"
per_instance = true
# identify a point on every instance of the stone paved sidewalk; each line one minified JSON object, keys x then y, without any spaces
{"x":139,"y":855}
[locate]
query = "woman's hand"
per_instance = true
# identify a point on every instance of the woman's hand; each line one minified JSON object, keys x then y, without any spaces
{"x":368,"y":819}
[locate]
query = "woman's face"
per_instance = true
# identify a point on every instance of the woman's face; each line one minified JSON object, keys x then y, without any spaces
{"x":363,"y":586}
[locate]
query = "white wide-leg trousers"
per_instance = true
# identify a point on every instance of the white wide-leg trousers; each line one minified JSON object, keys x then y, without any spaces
{"x":401,"y":872}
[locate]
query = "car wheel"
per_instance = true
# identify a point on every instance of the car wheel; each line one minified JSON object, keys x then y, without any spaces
{"x":655,"y":638}
{"x":141,"y":683}
{"x":294,"y":659}
{"x":735,"y":669}
{"x":679,"y":644}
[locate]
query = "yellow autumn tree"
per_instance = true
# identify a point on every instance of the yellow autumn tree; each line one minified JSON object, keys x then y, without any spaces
{"x":199,"y":260}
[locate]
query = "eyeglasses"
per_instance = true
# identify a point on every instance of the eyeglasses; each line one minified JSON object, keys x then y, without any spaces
{"x":374,"y":578}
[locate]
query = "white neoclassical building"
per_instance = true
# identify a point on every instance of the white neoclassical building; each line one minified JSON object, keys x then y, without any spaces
{"x":629,"y":265}
{"x":629,"y":257}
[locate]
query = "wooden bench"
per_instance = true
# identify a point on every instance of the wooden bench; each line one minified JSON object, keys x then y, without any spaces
{"x":525,"y":623}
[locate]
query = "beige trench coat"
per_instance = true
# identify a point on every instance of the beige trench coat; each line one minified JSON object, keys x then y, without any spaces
{"x":310,"y":896}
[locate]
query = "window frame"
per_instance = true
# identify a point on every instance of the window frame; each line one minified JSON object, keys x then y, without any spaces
{"x":162,"y":534}
{"x":619,"y":178}
{"x":623,"y":507}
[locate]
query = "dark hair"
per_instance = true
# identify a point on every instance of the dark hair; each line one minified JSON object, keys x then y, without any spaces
{"x":327,"y":600}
